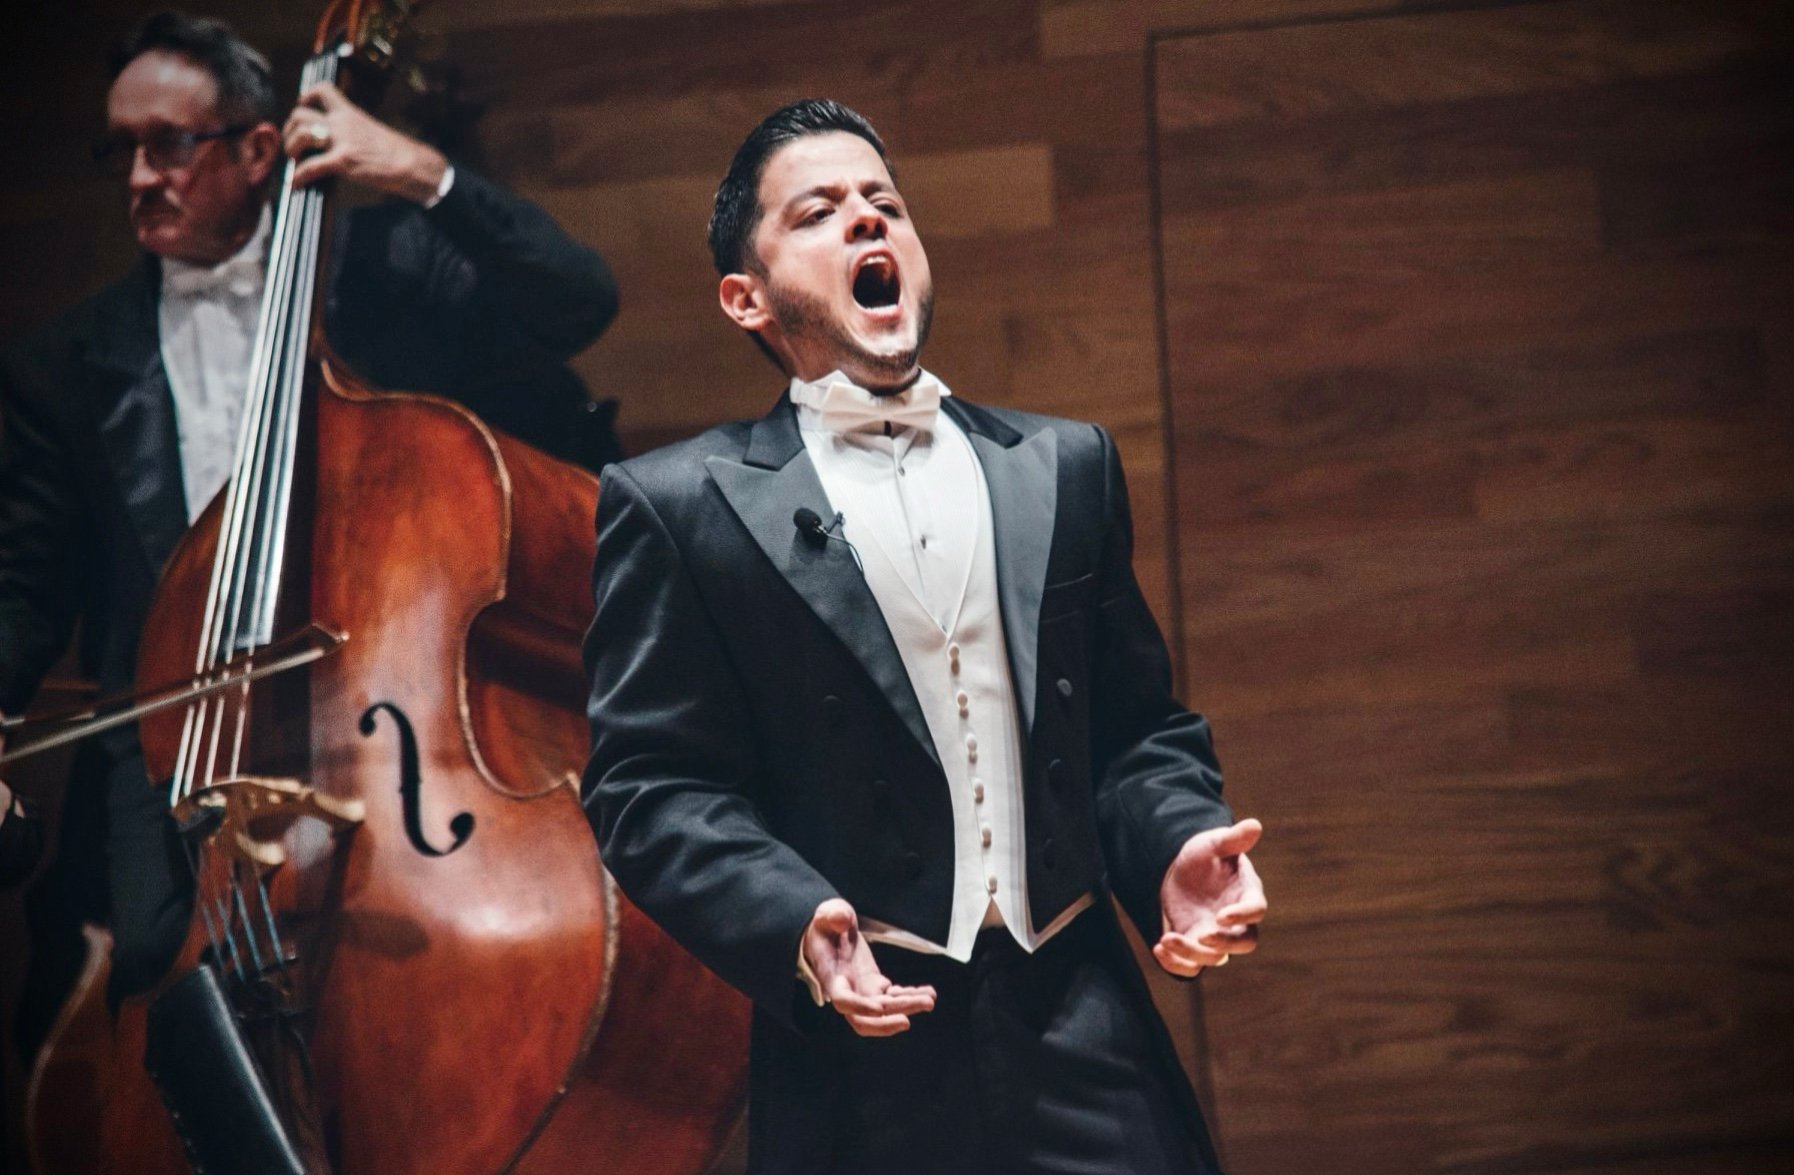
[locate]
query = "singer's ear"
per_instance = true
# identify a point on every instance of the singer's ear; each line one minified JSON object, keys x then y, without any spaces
{"x":743,"y":299}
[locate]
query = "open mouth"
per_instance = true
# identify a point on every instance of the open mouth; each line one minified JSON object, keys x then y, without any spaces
{"x":875,"y":284}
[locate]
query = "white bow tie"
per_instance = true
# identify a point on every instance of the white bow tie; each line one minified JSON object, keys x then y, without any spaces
{"x":240,"y":277}
{"x":843,"y":407}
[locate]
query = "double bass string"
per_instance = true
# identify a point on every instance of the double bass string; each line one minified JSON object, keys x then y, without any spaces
{"x":274,"y":531}
{"x":272,"y":548}
{"x":259,"y":524}
{"x":226,"y":576}
{"x":224,"y":595}
{"x":302,"y":273}
{"x":276,"y":509}
{"x":246,"y":570}
{"x":204,"y":720}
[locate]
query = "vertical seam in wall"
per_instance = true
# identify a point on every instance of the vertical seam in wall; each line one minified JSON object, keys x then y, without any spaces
{"x":1205,"y":1081}
{"x":1162,"y":341}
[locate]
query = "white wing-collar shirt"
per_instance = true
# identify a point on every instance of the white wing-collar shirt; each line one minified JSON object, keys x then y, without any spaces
{"x":913,"y":497}
{"x":207,"y":318}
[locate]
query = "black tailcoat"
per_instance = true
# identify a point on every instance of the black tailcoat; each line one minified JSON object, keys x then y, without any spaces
{"x":758,"y":747}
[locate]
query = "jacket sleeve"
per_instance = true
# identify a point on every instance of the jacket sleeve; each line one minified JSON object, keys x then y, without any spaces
{"x":674,"y":761}
{"x":543,"y":295}
{"x":483,"y":290}
{"x":1157,"y":779}
{"x":39,"y":510}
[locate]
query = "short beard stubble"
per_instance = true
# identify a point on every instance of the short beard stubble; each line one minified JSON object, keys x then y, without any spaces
{"x":801,"y":314}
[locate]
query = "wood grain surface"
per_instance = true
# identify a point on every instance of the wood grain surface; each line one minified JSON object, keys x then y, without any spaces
{"x":1477,"y":329}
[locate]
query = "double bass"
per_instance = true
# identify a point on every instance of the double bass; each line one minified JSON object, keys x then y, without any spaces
{"x":359,"y":683}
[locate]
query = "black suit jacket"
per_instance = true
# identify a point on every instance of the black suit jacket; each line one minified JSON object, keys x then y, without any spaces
{"x":758,"y":747}
{"x":481,"y":298}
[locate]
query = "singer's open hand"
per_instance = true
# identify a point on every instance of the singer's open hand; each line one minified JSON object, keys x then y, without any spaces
{"x":849,"y":975}
{"x":1211,"y":900}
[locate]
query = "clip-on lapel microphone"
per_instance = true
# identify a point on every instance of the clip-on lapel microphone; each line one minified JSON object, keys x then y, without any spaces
{"x":809,"y":525}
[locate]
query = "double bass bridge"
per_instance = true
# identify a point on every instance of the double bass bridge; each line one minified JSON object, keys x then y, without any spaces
{"x":247,"y":817}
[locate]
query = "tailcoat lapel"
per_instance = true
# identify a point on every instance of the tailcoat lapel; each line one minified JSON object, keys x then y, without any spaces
{"x":134,"y":411}
{"x":775,"y":478}
{"x":1023,"y":476}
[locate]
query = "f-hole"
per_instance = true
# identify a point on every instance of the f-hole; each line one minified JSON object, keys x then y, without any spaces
{"x":411,"y":784}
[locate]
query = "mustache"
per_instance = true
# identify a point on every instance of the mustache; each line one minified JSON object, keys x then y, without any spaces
{"x":150,"y":202}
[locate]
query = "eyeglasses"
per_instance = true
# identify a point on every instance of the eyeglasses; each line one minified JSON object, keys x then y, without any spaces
{"x":163,"y":149}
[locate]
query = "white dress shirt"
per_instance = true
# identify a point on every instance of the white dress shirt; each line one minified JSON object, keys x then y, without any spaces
{"x":207,"y":319}
{"x":916,"y":506}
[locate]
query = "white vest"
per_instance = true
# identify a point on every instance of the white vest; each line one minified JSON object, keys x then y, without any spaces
{"x":962,"y":680}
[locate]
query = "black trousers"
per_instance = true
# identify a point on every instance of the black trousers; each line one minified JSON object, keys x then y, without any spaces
{"x":119,"y":862}
{"x":136,"y":885}
{"x":149,"y":877}
{"x":1051,"y":1063}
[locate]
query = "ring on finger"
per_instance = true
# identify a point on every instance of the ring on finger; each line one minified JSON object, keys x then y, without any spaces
{"x":319,"y":134}
{"x":1221,"y":962}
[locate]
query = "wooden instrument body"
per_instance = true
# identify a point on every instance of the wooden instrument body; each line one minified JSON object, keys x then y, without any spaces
{"x":449,"y":999}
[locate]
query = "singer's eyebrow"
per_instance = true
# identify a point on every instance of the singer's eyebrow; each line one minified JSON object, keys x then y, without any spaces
{"x":820,"y":191}
{"x":834,"y":191}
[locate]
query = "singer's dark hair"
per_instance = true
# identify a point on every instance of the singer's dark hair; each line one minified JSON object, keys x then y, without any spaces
{"x":736,"y":212}
{"x":244,"y":80}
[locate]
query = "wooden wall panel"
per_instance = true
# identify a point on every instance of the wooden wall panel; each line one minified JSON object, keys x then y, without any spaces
{"x":1483,"y":464}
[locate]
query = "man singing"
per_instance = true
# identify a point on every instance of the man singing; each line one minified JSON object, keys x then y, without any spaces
{"x":881,"y":721}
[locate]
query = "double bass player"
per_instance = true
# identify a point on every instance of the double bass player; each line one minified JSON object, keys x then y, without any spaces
{"x":117,"y":420}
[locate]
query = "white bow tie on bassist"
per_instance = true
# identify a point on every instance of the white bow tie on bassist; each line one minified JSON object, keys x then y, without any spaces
{"x":240,"y":277}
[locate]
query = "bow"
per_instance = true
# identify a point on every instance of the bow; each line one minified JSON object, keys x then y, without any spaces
{"x":241,"y":276}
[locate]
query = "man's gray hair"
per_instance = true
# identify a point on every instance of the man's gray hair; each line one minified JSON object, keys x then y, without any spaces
{"x":244,"y":80}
